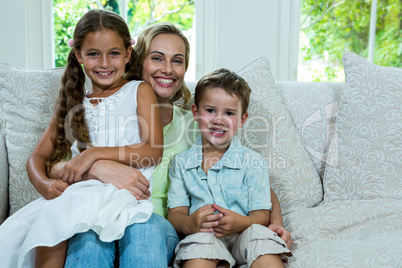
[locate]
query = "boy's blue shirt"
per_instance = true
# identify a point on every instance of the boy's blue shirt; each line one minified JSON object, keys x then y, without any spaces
{"x":239,"y":181}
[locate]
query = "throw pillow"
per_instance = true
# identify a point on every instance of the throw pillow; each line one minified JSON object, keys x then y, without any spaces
{"x":313,"y":107}
{"x":369,"y":134}
{"x":269,"y":130}
{"x":28,"y":98}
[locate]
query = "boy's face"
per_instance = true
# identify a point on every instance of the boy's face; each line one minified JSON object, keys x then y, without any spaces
{"x":219,"y":116}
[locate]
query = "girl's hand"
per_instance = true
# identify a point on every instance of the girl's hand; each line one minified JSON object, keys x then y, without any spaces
{"x":121,"y":176}
{"x":230,"y":223}
{"x":204,"y":219}
{"x":283,"y":233}
{"x":75,"y":168}
{"x":54,"y":188}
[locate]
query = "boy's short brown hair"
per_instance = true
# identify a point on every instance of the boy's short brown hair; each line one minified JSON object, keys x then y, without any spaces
{"x":229,"y":81}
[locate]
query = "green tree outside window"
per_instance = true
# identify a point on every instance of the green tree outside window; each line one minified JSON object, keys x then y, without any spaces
{"x":332,"y":27}
{"x":137,"y":13}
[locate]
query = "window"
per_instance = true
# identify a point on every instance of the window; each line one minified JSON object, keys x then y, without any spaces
{"x":330,"y":28}
{"x":137,"y":13}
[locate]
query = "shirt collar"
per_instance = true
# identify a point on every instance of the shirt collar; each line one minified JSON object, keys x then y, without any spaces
{"x":232,"y":158}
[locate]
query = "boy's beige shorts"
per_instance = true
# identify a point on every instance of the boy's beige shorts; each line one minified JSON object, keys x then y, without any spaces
{"x":236,"y":249}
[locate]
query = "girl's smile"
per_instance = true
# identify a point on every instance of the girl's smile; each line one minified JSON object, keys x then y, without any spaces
{"x":104,"y":57}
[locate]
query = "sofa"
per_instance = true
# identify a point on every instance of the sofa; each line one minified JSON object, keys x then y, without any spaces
{"x":334,"y":155}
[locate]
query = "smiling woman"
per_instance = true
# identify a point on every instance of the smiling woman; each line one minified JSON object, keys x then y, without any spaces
{"x":165,"y":65}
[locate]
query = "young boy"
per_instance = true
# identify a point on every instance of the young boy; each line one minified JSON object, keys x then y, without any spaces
{"x":219,"y":194}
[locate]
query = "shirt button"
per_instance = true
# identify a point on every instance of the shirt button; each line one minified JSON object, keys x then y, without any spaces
{"x":218,"y":199}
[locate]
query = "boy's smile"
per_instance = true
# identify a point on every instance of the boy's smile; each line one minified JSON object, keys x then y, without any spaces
{"x":219,"y":116}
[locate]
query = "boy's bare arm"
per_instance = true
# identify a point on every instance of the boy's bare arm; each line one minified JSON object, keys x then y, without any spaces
{"x":276,"y":213}
{"x":276,"y":223}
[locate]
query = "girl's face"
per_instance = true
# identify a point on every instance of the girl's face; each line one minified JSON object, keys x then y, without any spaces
{"x":165,"y":65}
{"x":104,"y":58}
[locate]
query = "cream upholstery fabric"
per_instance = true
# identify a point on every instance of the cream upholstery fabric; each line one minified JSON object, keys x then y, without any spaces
{"x":3,"y":168}
{"x":270,"y":131}
{"x":370,"y":133}
{"x":313,"y":107}
{"x":348,"y":233}
{"x":28,"y":98}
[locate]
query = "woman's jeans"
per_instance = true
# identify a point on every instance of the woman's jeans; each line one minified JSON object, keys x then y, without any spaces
{"x":149,"y":244}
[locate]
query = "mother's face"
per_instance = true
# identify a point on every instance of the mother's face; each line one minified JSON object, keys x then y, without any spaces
{"x":164,"y":67}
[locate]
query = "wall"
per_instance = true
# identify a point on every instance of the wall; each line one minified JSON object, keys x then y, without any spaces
{"x":26,"y":35}
{"x":230,"y":33}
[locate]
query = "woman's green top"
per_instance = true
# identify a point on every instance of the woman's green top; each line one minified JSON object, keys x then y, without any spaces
{"x":178,"y":136}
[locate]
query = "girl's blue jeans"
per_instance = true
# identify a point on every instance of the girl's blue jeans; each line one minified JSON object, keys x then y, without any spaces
{"x":149,"y":244}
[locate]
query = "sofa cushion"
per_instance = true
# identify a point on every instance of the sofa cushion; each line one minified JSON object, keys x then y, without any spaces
{"x":269,"y":130}
{"x":368,"y":148}
{"x":313,"y":107}
{"x":348,"y":233}
{"x":28,"y":98}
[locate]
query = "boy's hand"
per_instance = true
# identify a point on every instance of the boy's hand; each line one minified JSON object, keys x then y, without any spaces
{"x":204,"y":219}
{"x":230,"y":223}
{"x":283,"y":233}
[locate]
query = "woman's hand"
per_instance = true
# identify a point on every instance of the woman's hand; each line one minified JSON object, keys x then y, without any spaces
{"x":121,"y":176}
{"x":76,"y":166}
{"x":283,"y":233}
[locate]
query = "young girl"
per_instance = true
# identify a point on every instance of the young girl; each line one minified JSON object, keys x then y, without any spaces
{"x":117,"y":120}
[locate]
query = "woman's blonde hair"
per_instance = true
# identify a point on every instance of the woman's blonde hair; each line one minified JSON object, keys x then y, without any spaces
{"x":141,"y":48}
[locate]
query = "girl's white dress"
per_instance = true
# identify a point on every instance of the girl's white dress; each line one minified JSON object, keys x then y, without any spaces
{"x":84,"y":205}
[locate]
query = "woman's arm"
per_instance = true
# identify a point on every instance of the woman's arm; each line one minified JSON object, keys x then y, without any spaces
{"x":108,"y":171}
{"x":147,"y":153}
{"x":36,"y":165}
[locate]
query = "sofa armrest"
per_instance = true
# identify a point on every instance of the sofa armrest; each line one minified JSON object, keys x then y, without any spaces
{"x":4,"y":204}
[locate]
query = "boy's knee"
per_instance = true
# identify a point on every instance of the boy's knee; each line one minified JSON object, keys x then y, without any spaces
{"x":268,"y":260}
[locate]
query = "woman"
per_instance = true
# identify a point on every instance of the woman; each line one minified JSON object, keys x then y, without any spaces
{"x":163,"y":53}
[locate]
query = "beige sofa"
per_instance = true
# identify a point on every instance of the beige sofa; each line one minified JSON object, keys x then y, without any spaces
{"x":342,"y":200}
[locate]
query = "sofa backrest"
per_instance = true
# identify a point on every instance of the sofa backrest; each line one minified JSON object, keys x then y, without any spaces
{"x":313,"y":107}
{"x":28,"y":97}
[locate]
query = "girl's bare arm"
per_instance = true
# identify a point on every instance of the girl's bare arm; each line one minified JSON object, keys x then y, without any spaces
{"x":36,"y":165}
{"x":146,"y":153}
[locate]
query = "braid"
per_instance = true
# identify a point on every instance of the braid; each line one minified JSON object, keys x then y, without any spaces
{"x":133,"y":68}
{"x":70,"y":120}
{"x":70,"y":115}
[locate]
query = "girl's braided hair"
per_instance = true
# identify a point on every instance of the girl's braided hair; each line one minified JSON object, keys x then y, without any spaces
{"x":70,"y":115}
